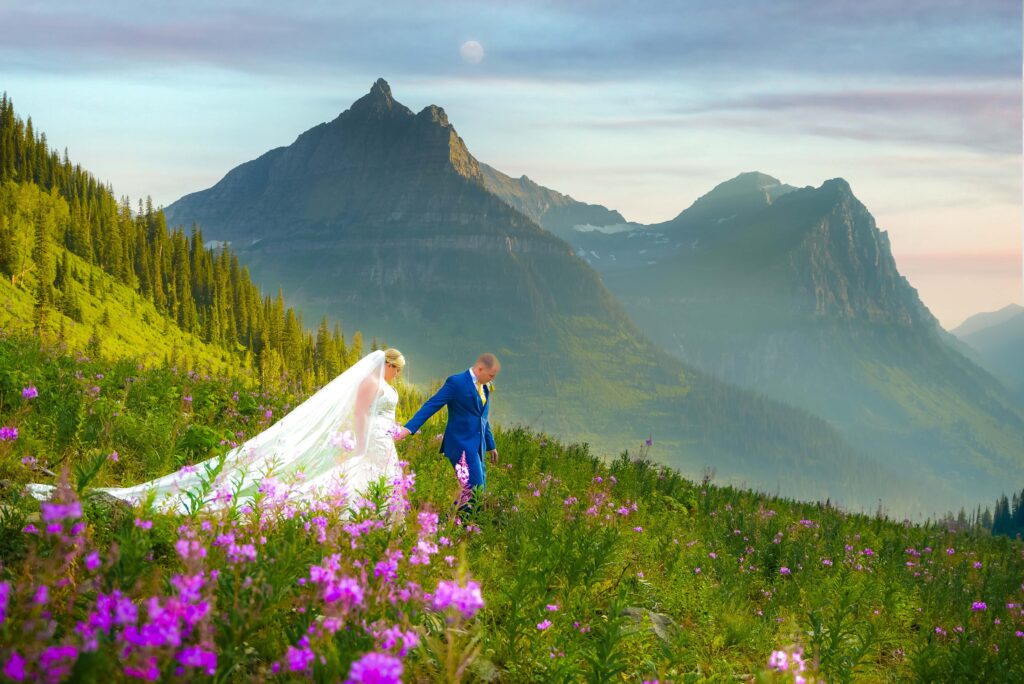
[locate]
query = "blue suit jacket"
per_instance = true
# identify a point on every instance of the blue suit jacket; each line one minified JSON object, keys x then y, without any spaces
{"x":468,"y":429}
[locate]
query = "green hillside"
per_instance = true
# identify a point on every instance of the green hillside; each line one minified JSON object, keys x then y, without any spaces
{"x":572,"y":569}
{"x":80,"y":268}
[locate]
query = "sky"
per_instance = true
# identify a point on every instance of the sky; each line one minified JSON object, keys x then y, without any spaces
{"x":639,"y":106}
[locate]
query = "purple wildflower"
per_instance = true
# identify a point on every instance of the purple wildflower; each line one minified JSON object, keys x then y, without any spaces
{"x":345,"y":440}
{"x":52,"y":512}
{"x":8,"y":434}
{"x":785,"y":571}
{"x":56,"y":662}
{"x":779,"y":661}
{"x":14,"y":668}
{"x":93,"y":561}
{"x":29,"y":392}
{"x":5,"y":596}
{"x":978,"y":606}
{"x":543,"y":625}
{"x":375,"y":668}
{"x":300,"y":659}
{"x":196,"y":656}
{"x":462,"y":471}
{"x":346,"y":590}
{"x":467,"y":600}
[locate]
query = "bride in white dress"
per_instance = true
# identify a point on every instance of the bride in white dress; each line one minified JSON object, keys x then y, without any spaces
{"x":342,"y":434}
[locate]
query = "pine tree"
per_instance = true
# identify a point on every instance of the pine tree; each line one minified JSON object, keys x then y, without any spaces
{"x":1002,"y":523}
{"x":356,"y":348}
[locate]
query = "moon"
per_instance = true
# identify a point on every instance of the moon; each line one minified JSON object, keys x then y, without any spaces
{"x":471,"y":52}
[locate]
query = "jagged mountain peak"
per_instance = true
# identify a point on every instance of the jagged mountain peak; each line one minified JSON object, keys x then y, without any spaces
{"x":843,"y":261}
{"x":747,"y":185}
{"x":839,"y":185}
{"x":435,"y":114}
{"x":379,"y":101}
{"x":748,"y":180}
{"x":746,"y":192}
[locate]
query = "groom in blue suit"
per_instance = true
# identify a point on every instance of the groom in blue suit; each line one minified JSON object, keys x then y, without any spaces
{"x":467,"y":396}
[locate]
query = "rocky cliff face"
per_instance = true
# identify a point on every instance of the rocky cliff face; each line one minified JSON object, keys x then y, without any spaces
{"x":844,"y":264}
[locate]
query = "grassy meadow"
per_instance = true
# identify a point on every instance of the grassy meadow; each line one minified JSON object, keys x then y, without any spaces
{"x":572,"y":568}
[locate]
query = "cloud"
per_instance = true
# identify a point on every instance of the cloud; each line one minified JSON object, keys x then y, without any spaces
{"x":985,"y":118}
{"x":580,"y":41}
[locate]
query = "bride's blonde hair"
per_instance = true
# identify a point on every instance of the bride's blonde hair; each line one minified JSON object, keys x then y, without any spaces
{"x":394,"y":357}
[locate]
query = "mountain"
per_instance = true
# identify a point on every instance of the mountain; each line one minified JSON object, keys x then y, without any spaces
{"x":639,"y":245}
{"x":795,"y":292}
{"x":998,"y":340}
{"x":987,"y":319}
{"x":552,"y":210}
{"x":383,"y":216}
{"x":746,"y":192}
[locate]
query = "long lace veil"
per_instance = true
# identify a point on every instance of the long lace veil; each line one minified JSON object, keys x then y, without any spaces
{"x":303,"y":449}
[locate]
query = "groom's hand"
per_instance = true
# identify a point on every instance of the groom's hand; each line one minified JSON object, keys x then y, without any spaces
{"x":402,"y":433}
{"x":494,"y":455}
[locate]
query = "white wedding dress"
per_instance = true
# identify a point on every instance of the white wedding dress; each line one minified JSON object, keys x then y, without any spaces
{"x":342,"y":435}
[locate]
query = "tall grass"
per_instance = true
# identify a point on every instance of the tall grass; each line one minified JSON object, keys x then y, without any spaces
{"x":572,"y":567}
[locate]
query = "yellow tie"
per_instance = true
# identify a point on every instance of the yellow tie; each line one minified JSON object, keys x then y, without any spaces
{"x":483,"y":397}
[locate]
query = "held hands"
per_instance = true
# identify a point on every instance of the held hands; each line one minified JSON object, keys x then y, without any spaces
{"x":401,"y":433}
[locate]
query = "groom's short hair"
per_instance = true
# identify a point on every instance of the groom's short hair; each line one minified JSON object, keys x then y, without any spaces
{"x":488,"y":360}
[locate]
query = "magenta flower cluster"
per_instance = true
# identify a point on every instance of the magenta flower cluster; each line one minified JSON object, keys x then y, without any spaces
{"x":467,"y":600}
{"x":375,"y":668}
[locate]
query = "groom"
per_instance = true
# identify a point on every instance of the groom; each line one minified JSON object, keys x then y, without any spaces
{"x":467,"y":396}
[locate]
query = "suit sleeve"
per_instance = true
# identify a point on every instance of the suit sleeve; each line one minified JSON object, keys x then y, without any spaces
{"x":431,"y":406}
{"x":489,"y":438}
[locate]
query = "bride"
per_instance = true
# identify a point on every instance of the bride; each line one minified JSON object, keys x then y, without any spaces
{"x":343,"y":432}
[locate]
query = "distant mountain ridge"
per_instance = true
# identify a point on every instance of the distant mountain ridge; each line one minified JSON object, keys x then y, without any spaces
{"x":987,"y":319}
{"x":998,"y":339}
{"x":382,"y":216}
{"x":551,"y":209}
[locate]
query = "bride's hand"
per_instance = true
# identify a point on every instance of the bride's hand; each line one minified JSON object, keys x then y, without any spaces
{"x":401,"y":434}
